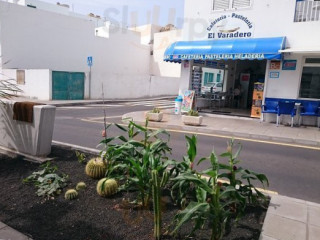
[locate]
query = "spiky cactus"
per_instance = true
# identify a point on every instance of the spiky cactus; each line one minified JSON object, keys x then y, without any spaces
{"x":71,"y":194}
{"x":81,"y":186}
{"x":107,"y":187}
{"x":96,"y":168}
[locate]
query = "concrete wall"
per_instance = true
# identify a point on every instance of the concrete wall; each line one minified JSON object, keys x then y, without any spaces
{"x":161,"y":42}
{"x":288,"y":85}
{"x":30,"y":138}
{"x":35,"y":39}
{"x":37,"y":83}
{"x":270,"y":18}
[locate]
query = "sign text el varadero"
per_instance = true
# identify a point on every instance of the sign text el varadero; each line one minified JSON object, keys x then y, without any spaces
{"x":230,"y":26}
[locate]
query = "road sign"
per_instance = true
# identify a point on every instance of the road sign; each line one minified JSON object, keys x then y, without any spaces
{"x":89,"y":61}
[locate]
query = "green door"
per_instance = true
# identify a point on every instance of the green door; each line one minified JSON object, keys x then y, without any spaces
{"x":67,"y":85}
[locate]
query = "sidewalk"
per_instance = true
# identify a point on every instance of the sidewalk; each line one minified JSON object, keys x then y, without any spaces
{"x":238,"y":127}
{"x":291,"y":219}
{"x":8,"y":233}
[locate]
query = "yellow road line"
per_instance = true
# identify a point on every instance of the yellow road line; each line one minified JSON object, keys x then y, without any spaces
{"x":223,"y":136}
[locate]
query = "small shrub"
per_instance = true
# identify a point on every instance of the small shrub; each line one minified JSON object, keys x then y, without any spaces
{"x":47,"y":181}
{"x":81,"y":157}
{"x":193,"y":113}
{"x":155,"y":110}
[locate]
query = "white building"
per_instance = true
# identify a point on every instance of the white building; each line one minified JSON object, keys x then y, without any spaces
{"x":272,"y":41}
{"x":46,"y":47}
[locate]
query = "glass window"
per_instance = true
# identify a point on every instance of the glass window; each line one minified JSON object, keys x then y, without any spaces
{"x":313,"y":60}
{"x":218,"y":77}
{"x":208,"y":78}
{"x":310,"y":83}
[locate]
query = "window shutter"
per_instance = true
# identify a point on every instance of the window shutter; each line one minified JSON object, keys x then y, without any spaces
{"x":220,"y":4}
{"x":241,"y":3}
{"x":21,"y":77}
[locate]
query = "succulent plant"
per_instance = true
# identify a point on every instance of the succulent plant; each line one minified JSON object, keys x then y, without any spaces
{"x":155,"y":110}
{"x":107,"y":187}
{"x":81,"y":186}
{"x":71,"y":194}
{"x":95,"y":168}
{"x":193,"y":113}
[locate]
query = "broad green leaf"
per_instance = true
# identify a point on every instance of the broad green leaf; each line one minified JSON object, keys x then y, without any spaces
{"x":188,"y":213}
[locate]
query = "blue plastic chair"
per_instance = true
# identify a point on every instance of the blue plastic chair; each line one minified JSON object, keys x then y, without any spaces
{"x":270,"y":106}
{"x":310,"y":108}
{"x":286,"y":108}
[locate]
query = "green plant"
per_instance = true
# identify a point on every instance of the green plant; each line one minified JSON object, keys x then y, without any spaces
{"x":71,"y":194}
{"x":8,"y":87}
{"x":242,"y":179}
{"x":156,"y":193}
{"x":155,"y":110}
{"x":136,"y":156}
{"x":96,"y":168}
{"x":47,"y":181}
{"x":193,"y":113}
{"x":107,"y":187}
{"x":182,"y":190}
{"x":214,"y":202}
{"x":81,"y":157}
{"x":81,"y":186}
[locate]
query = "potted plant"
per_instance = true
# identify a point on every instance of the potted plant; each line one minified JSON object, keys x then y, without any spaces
{"x":192,"y":118}
{"x":154,"y":115}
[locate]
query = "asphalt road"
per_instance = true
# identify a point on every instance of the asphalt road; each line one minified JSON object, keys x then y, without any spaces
{"x":292,"y":171}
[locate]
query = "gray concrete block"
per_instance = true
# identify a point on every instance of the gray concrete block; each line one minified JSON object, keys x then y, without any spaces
{"x":314,"y":233}
{"x":314,"y":216}
{"x":281,"y":228}
{"x":264,"y":237}
{"x":8,"y":233}
{"x":2,"y":225}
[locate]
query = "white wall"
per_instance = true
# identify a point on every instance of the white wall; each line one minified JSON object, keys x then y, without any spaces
{"x":35,"y":39}
{"x":38,"y":83}
{"x":147,"y":32}
{"x":270,"y":18}
{"x":288,"y":85}
{"x":161,"y":42}
{"x":30,"y":138}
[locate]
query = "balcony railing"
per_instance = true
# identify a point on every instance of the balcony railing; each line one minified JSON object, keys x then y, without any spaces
{"x":308,"y":10}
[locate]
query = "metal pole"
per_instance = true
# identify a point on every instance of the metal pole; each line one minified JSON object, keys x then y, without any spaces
{"x":90,"y":83}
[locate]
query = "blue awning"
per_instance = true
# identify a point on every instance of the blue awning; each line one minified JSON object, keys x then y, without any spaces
{"x":234,"y":49}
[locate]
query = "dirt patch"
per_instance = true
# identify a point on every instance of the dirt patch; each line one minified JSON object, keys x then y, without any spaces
{"x":90,"y":217}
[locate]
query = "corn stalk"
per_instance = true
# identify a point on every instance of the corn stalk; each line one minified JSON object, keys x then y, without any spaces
{"x":156,"y":192}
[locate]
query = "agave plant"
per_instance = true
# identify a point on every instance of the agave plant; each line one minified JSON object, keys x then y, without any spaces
{"x":8,"y":87}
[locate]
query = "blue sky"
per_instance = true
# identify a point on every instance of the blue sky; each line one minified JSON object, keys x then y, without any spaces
{"x":144,"y":11}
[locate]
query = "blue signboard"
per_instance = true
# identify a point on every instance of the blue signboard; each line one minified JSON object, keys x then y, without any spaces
{"x":89,"y":61}
{"x":289,"y":65}
{"x":274,"y":74}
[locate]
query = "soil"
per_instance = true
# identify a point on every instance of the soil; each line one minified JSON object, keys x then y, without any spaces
{"x":90,"y":217}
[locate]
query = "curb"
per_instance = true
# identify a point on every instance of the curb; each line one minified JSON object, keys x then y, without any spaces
{"x":76,"y":147}
{"x":104,"y":101}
